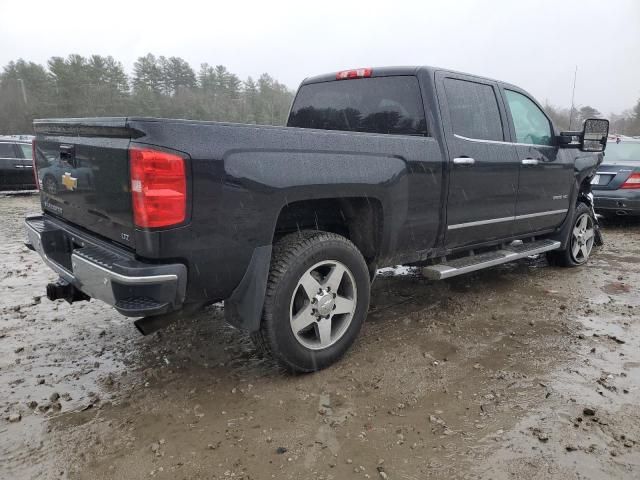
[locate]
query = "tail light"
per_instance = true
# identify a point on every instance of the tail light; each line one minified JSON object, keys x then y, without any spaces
{"x":35,"y":163}
{"x":356,"y":73}
{"x":158,"y":188}
{"x":632,"y":182}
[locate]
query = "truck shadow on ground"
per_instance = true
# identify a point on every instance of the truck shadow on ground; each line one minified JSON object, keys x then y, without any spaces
{"x":401,"y":305}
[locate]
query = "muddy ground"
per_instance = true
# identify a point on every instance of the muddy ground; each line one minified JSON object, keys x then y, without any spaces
{"x":523,"y":371}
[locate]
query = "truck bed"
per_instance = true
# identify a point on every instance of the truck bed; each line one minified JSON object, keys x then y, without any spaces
{"x":240,"y":177}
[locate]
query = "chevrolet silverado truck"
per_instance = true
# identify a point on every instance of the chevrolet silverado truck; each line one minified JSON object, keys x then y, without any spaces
{"x":288,"y":225}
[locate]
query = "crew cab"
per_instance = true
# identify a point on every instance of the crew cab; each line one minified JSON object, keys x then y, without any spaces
{"x":288,"y":225}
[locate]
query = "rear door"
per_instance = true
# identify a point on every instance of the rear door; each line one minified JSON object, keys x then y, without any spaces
{"x":546,"y":172}
{"x":11,"y":168}
{"x":482,"y":164}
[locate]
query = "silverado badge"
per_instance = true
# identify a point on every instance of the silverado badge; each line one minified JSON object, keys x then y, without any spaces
{"x":69,"y":182}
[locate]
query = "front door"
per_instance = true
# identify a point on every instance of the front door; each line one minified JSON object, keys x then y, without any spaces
{"x":546,"y":172}
{"x":483,"y":166}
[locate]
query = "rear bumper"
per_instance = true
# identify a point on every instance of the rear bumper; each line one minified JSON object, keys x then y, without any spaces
{"x":622,"y":201}
{"x":105,"y":272}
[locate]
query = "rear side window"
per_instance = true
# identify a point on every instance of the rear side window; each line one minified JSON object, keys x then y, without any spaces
{"x":390,"y":105}
{"x":473,"y":109}
{"x":7,"y":151}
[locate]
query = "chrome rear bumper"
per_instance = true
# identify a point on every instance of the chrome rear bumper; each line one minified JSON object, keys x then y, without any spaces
{"x":106,"y":272}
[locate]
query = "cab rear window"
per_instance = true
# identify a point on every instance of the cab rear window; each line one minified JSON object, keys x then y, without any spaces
{"x":389,"y":105}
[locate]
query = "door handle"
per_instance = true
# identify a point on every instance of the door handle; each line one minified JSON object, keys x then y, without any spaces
{"x":530,"y":161}
{"x":463,"y":161}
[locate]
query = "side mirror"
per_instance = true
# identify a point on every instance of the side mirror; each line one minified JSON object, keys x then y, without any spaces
{"x":592,"y":138}
{"x":594,"y":135}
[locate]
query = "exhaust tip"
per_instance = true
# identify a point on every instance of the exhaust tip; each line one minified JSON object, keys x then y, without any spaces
{"x":153,"y":323}
{"x":149,"y":325}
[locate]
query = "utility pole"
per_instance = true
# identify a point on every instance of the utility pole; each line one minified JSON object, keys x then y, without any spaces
{"x":573,"y":96}
{"x":24,"y":92}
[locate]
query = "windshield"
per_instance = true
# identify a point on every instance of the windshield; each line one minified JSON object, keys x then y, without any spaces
{"x":627,"y":151}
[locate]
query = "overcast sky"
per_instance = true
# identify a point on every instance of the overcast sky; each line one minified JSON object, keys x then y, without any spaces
{"x":534,"y":44}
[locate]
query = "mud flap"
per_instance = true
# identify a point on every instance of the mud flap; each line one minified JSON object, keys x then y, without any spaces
{"x":243,"y":309}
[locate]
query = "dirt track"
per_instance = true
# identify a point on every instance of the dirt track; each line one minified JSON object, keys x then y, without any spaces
{"x":524,"y":371}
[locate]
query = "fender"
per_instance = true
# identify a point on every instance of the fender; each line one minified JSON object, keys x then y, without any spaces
{"x":310,"y":175}
{"x":585,"y":168}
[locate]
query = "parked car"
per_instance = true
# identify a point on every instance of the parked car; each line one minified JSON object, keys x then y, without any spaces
{"x":616,"y":185}
{"x":16,"y":170}
{"x":288,"y":225}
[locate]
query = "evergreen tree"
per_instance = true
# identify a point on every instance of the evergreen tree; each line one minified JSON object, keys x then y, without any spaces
{"x":147,"y":75}
{"x":78,"y":86}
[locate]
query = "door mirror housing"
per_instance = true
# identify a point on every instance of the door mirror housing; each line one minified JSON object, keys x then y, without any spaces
{"x":592,"y":138}
{"x":594,"y":135}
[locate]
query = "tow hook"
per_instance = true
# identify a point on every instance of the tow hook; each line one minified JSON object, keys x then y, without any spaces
{"x":66,"y":291}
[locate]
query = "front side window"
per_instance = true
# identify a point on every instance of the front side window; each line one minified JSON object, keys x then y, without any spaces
{"x":473,"y":109}
{"x":391,"y":105}
{"x":531,"y":124}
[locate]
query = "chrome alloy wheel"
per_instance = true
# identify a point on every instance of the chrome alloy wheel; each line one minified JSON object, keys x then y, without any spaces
{"x":323,"y":304}
{"x":582,"y":238}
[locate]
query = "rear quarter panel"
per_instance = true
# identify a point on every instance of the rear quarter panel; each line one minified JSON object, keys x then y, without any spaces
{"x":243,"y":175}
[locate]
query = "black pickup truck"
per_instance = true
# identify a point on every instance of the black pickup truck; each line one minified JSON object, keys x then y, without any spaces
{"x":288,"y":225}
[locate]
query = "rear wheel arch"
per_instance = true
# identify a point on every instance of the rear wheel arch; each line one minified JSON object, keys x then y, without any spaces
{"x":359,"y":219}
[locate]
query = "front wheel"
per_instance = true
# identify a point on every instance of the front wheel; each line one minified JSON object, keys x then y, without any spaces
{"x":316,"y":301}
{"x":581,"y":240}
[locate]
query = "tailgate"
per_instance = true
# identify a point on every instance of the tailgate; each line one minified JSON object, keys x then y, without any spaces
{"x":83,"y":172}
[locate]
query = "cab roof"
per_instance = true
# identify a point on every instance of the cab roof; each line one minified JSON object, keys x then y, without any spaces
{"x":396,"y":71}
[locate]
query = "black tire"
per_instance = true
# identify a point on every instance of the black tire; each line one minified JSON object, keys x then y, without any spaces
{"x":293,"y":257}
{"x":567,"y":257}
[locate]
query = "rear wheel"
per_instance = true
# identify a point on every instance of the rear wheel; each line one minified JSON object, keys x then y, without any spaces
{"x":581,"y":240}
{"x":316,"y":301}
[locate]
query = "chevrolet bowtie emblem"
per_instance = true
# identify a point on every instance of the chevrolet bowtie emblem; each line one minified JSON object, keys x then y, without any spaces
{"x":69,"y":182}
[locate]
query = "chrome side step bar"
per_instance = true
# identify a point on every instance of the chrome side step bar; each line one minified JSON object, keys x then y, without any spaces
{"x":459,"y":266}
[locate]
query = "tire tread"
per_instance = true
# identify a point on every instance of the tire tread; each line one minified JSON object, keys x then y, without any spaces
{"x":285,"y":251}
